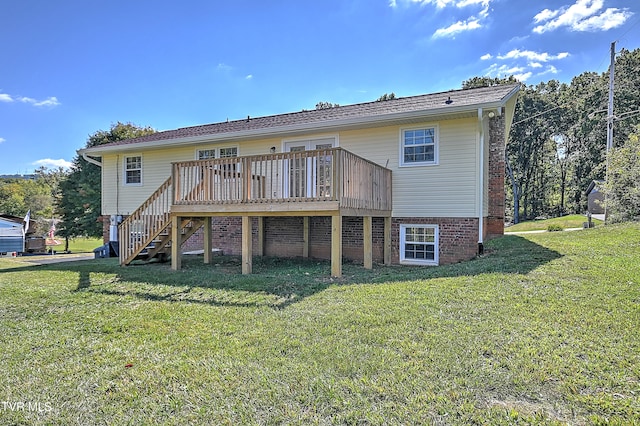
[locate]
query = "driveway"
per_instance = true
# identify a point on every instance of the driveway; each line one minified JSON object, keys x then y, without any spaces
{"x":46,"y":259}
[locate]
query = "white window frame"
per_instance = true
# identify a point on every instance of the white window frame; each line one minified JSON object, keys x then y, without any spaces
{"x":403,"y":242}
{"x":125,"y":170}
{"x":436,"y":146}
{"x":310,"y":167}
{"x":216,"y":150}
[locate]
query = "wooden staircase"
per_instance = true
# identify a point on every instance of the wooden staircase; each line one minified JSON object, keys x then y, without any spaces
{"x":146,"y":233}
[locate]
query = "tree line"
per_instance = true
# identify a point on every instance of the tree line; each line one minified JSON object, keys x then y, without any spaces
{"x":556,"y":148}
{"x":557,"y":141}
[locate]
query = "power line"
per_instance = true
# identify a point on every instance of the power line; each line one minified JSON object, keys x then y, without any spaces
{"x":537,"y":115}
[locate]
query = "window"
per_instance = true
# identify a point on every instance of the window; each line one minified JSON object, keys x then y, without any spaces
{"x":228,"y":152}
{"x":419,"y":244}
{"x":419,"y":146}
{"x":206,"y":154}
{"x":133,"y":170}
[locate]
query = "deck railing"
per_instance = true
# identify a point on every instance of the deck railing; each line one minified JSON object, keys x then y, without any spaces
{"x":302,"y":176}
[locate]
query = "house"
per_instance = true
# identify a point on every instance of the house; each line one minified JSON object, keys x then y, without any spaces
{"x":30,"y":241}
{"x":11,"y":236}
{"x":416,"y":180}
{"x":595,"y":197}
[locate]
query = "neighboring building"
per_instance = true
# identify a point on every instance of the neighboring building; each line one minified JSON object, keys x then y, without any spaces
{"x":595,"y":197}
{"x":416,"y":180}
{"x":11,"y":236}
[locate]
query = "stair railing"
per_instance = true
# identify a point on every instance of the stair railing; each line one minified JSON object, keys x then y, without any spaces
{"x":140,"y":228}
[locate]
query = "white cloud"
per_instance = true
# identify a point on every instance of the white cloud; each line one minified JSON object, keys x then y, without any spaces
{"x":51,"y":101}
{"x":224,"y":67}
{"x":550,"y":70}
{"x":545,"y":15}
{"x":441,"y":4}
{"x":535,"y":64}
{"x":523,"y":77}
{"x":48,"y":162}
{"x":457,"y":28}
{"x":473,"y":22}
{"x":249,"y":77}
{"x":533,"y":56}
{"x":486,"y":57}
{"x":611,"y":18}
{"x":2,"y":140}
{"x":583,"y":15}
{"x":519,"y":73}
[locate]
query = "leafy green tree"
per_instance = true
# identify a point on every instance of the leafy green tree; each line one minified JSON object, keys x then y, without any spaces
{"x":17,"y":195}
{"x":386,"y":97}
{"x":78,"y":204}
{"x":477,"y":82}
{"x":326,"y":105}
{"x":622,"y":187}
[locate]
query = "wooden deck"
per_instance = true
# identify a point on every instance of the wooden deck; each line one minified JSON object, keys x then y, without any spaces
{"x":327,"y":182}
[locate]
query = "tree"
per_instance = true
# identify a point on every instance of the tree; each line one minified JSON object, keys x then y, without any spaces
{"x":386,"y":97}
{"x":37,"y":194}
{"x":326,"y":105}
{"x":80,"y":193}
{"x":622,"y":187}
{"x":477,"y":82}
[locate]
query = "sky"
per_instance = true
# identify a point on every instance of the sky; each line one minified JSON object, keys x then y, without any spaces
{"x":69,"y":68}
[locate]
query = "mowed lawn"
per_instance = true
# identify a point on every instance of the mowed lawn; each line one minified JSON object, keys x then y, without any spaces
{"x":542,"y":329}
{"x":564,"y":222}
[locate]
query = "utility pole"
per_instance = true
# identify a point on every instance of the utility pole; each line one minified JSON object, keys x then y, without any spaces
{"x":610,"y":121}
{"x":610,"y":108}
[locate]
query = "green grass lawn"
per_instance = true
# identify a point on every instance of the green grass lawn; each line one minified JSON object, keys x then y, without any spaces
{"x":83,"y":245}
{"x":565,"y":222}
{"x":542,"y":329}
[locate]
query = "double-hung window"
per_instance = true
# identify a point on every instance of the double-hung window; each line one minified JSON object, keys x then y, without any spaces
{"x":419,"y":146}
{"x":419,"y":244}
{"x":133,"y":170}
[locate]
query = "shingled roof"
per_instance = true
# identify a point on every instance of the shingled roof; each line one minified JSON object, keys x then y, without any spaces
{"x":442,"y":103}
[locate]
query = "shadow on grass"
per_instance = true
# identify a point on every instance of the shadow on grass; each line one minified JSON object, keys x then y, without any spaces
{"x":277,"y":282}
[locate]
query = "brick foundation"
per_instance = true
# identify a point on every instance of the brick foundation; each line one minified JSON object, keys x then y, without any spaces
{"x":106,"y":222}
{"x":458,"y":237}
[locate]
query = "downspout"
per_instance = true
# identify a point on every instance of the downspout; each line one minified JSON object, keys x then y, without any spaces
{"x":480,"y":182}
{"x":91,"y":160}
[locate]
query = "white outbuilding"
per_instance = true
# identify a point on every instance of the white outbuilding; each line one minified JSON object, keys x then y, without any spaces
{"x":11,"y":236}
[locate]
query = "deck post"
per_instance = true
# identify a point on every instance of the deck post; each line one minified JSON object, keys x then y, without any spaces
{"x":260,"y":248}
{"x":305,"y":236}
{"x":368,"y":242}
{"x":176,"y":260}
{"x":246,"y":245}
{"x":387,"y":241}
{"x":336,"y":246}
{"x":207,"y":239}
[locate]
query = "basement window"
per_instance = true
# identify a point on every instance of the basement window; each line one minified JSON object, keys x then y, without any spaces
{"x":419,"y":244}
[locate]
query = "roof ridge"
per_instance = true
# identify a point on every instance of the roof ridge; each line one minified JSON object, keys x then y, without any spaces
{"x":364,"y":111}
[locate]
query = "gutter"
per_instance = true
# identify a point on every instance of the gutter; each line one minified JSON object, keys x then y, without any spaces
{"x":285,"y":130}
{"x":89,"y":159}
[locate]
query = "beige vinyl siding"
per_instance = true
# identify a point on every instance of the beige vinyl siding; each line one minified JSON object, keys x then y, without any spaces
{"x":448,"y":189}
{"x":118,"y":198}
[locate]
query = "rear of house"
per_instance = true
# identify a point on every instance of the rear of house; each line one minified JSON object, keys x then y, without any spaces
{"x":416,"y":180}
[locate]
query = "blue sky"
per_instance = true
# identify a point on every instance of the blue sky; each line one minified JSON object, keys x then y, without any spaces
{"x":69,"y":68}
